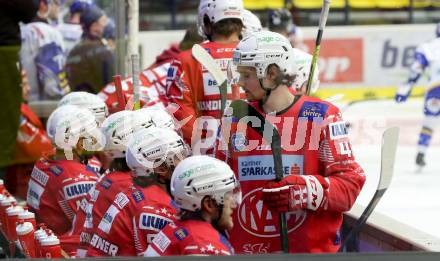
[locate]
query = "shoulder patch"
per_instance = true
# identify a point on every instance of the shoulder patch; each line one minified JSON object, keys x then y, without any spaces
{"x":106,"y":183}
{"x":121,"y":200}
{"x":181,"y":233}
{"x":40,"y":176}
{"x":56,"y":170}
{"x":311,"y":110}
{"x":138,"y":196}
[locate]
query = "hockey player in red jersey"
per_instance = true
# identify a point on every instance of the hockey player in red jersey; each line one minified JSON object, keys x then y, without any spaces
{"x":96,"y":106}
{"x":191,"y":87}
{"x":59,"y":182}
{"x":117,"y":129}
{"x":152,"y":79}
{"x":152,"y":155}
{"x":206,"y":191}
{"x":322,"y":179}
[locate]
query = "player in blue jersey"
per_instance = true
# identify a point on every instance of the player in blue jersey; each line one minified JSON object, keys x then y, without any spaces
{"x":427,"y":59}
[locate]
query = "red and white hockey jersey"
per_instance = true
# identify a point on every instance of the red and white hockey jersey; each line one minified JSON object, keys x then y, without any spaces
{"x":93,"y":208}
{"x":55,"y":191}
{"x":195,"y":91}
{"x":131,"y":222}
{"x":314,"y":141}
{"x":189,"y":237}
{"x":152,"y":84}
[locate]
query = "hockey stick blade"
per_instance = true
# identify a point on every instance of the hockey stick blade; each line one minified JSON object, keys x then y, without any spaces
{"x":206,"y":60}
{"x":388,"y":155}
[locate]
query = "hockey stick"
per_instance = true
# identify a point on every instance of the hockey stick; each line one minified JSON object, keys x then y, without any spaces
{"x":269,"y":132}
{"x":136,"y":89}
{"x":322,"y":21}
{"x":242,"y":109}
{"x":388,"y":155}
{"x":206,"y":60}
{"x":119,"y":93}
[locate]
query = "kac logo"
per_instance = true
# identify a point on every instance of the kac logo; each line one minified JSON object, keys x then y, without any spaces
{"x":257,"y":220}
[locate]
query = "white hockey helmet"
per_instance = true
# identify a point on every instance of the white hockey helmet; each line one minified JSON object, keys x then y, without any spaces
{"x":150,"y":148}
{"x":159,"y":116}
{"x":118,"y":128}
{"x":302,"y":62}
{"x":261,"y":49}
{"x":199,"y":176}
{"x":202,"y":11}
{"x":251,"y":23}
{"x":69,"y":123}
{"x":88,"y":101}
{"x":218,"y":10}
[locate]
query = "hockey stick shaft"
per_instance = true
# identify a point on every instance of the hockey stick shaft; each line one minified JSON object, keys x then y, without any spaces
{"x":119,"y":93}
{"x":136,"y":88}
{"x":322,"y":21}
{"x":205,"y":59}
{"x":278,"y":165}
{"x":388,"y":156}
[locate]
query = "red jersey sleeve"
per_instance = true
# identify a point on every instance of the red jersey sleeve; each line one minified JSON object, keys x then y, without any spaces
{"x":162,"y":243}
{"x":148,"y":221}
{"x":337,"y":163}
{"x":181,"y":92}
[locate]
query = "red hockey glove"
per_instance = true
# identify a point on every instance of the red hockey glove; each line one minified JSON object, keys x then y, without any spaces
{"x":295,"y":192}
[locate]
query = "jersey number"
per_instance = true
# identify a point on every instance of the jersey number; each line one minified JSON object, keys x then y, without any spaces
{"x":344,"y":148}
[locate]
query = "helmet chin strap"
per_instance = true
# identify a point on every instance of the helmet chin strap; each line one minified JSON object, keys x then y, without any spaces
{"x":267,"y":90}
{"x":215,"y":222}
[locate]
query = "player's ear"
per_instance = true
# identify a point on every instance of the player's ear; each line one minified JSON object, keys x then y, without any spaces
{"x":208,"y":205}
{"x":273,"y":72}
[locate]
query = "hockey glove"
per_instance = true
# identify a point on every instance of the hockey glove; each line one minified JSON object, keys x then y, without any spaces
{"x":295,"y":192}
{"x":403,"y":92}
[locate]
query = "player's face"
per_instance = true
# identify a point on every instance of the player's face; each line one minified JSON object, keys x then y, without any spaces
{"x":54,"y":10}
{"x":249,"y":82}
{"x":97,"y":28}
{"x":230,"y":203}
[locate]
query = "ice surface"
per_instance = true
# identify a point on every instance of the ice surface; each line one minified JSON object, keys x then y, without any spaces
{"x":413,"y":198}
